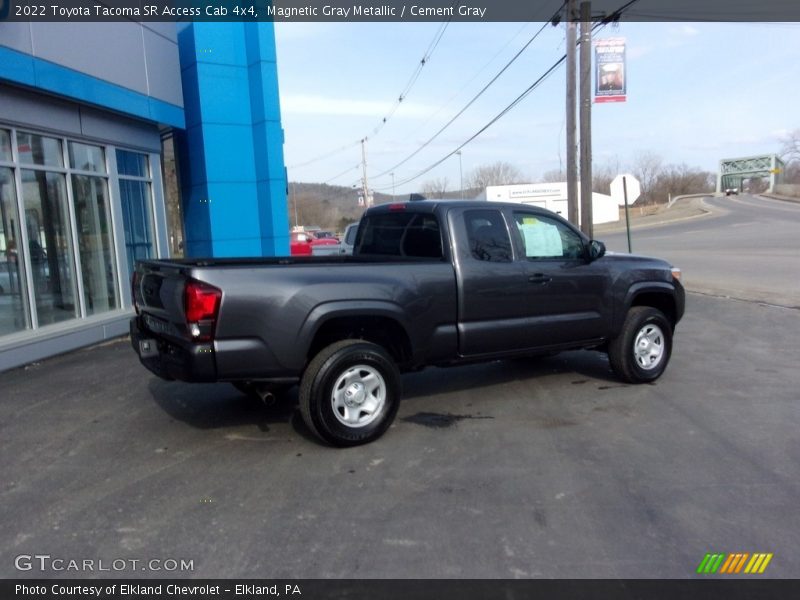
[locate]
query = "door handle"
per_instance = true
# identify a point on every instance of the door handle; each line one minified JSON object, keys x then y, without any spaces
{"x":539,"y":278}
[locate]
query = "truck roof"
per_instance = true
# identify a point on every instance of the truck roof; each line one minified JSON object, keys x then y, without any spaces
{"x":429,"y":206}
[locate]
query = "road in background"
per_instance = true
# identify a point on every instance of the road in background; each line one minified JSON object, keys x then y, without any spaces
{"x":519,"y":468}
{"x":748,"y":249}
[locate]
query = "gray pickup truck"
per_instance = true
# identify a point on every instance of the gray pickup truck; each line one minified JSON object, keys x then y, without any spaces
{"x":429,"y":283}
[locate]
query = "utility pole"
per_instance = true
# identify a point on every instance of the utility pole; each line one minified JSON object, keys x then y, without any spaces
{"x":392,"y":186}
{"x":586,"y":119}
{"x":364,"y":182}
{"x":572,"y":147}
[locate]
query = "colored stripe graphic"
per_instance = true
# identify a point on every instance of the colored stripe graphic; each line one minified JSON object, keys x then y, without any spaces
{"x":732,"y":558}
{"x":734,"y":562}
{"x":741,"y":562}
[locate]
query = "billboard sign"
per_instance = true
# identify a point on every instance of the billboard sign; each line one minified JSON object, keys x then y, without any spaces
{"x":610,"y":73}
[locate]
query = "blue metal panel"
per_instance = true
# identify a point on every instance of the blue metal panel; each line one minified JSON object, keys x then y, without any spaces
{"x":229,"y":153}
{"x":225,"y":90}
{"x":24,"y":69}
{"x":234,"y":146}
{"x":16,"y":66}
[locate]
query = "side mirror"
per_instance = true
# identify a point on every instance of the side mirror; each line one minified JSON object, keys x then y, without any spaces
{"x":596,"y":249}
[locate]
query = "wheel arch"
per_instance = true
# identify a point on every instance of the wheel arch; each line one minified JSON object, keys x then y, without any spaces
{"x":658,"y":295}
{"x":381,"y":323}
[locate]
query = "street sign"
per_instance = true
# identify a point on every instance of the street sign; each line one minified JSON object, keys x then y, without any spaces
{"x":775,"y":171}
{"x":634,"y":189}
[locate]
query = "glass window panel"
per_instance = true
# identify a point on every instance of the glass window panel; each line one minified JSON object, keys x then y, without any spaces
{"x":39,"y":150}
{"x":5,"y":145}
{"x":95,"y":243}
{"x":13,"y":315}
{"x":544,"y":237}
{"x":137,"y":220}
{"x":132,"y":164}
{"x":87,"y":158}
{"x":50,"y":246}
{"x":487,"y":235}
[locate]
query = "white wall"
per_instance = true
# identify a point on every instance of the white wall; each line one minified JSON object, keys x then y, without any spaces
{"x":553,"y":196}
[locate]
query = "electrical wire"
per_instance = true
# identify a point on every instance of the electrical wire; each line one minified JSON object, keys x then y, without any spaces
{"x":597,"y":26}
{"x":471,"y":102}
{"x":437,"y":37}
{"x":434,"y":43}
{"x":324,"y":156}
{"x":345,"y":172}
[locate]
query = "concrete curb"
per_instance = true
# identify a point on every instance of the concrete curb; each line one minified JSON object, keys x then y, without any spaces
{"x":707,"y":212}
{"x":779,"y":197}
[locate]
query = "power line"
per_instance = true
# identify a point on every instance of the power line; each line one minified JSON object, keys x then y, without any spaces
{"x":613,"y":17}
{"x":325,"y":155}
{"x":417,"y":72}
{"x":471,"y":79}
{"x":471,"y":102}
{"x":345,"y":172}
{"x":434,"y":43}
{"x":496,"y":118}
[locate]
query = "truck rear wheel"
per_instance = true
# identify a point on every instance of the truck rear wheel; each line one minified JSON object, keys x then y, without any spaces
{"x":350,"y":393}
{"x":642,"y":349}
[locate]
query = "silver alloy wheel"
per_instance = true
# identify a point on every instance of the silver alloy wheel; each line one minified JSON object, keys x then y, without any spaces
{"x":649,"y":347}
{"x":358,"y":396}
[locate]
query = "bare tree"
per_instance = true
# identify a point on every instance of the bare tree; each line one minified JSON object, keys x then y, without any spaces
{"x":499,"y":173}
{"x":435,"y":188}
{"x":790,"y":149}
{"x":553,"y":176}
{"x":646,"y":168}
{"x":675,"y":180}
{"x":603,"y":174}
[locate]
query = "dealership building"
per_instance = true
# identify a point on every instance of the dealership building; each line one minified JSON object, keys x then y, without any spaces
{"x":122,"y":141}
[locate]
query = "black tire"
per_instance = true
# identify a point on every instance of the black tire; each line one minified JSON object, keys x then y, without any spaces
{"x":337,"y":364}
{"x":622,"y":350}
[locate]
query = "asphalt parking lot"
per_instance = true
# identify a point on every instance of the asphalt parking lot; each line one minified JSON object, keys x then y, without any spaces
{"x":523,"y":468}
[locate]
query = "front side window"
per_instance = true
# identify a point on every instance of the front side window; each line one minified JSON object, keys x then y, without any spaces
{"x":487,"y":235}
{"x":546,"y":238}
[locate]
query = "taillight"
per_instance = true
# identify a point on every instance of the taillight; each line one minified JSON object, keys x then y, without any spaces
{"x":201,"y":302}
{"x":134,"y":286}
{"x":397,"y":206}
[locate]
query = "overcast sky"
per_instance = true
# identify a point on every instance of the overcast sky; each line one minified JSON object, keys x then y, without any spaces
{"x":697,"y":92}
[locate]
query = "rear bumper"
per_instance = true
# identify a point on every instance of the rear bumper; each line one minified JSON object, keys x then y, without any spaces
{"x":189,"y":362}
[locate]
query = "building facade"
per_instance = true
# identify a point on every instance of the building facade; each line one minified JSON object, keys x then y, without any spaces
{"x":88,"y":114}
{"x":552,"y":196}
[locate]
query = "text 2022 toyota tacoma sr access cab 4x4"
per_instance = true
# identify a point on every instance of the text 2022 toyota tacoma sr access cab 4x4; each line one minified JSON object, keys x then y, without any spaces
{"x":429,"y":283}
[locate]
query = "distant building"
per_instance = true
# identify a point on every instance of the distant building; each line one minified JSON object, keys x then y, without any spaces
{"x":552,"y":196}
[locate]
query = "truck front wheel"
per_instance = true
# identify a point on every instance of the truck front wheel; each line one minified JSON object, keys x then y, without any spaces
{"x":350,"y":393}
{"x":642,"y":349}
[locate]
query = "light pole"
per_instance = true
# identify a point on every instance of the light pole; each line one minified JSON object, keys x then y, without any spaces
{"x":460,"y":175}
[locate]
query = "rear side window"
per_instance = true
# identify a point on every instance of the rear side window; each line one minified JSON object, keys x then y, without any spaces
{"x":487,"y":235}
{"x":399,"y":234}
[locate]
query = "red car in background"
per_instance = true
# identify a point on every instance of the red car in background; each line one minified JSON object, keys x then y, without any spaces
{"x":303,"y":243}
